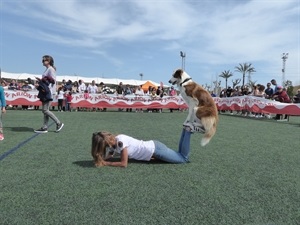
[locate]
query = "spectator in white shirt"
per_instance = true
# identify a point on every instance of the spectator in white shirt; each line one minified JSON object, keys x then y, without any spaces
{"x":60,"y":99}
{"x":81,"y":86}
{"x":92,"y":88}
{"x":139,"y":92}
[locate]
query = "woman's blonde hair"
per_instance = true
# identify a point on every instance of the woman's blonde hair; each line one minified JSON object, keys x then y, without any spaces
{"x":101,"y":140}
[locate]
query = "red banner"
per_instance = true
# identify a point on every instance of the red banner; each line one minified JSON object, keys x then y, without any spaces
{"x":250,"y":103}
{"x":99,"y":100}
{"x":257,"y":105}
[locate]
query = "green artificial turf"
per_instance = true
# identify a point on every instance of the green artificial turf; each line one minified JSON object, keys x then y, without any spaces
{"x":248,"y":174}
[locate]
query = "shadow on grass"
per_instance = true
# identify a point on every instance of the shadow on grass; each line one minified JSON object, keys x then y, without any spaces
{"x":90,"y":163}
{"x":21,"y":129}
{"x":152,"y":161}
{"x":85,"y":163}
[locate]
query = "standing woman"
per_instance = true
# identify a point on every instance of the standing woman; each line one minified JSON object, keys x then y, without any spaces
{"x":48,"y":78}
{"x":2,"y":108}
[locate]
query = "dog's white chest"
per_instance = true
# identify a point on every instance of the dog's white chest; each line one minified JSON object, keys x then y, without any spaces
{"x":188,"y":99}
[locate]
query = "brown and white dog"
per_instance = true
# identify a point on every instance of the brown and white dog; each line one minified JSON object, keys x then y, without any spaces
{"x":203,"y":113}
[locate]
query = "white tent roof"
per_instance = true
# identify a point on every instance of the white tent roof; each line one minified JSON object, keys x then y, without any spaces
{"x":116,"y":81}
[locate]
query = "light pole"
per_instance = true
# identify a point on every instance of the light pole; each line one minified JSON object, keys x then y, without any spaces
{"x":182,"y":55}
{"x":141,"y":75}
{"x":284,"y":58}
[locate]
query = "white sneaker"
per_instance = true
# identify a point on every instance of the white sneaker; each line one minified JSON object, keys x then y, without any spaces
{"x":59,"y":127}
{"x":282,"y":120}
{"x":195,"y":127}
{"x":41,"y":130}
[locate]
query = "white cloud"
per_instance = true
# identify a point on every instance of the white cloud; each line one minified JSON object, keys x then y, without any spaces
{"x":213,"y":33}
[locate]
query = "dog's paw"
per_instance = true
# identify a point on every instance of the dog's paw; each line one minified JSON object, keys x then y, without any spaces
{"x":187,"y":123}
{"x":197,"y":124}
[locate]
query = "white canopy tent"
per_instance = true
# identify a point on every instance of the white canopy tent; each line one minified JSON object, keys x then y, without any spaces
{"x":107,"y":81}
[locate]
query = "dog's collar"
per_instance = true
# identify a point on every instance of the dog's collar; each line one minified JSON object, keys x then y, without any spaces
{"x":186,"y":80}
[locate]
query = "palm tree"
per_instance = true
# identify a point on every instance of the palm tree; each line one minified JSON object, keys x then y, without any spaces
{"x":235,"y":82}
{"x":226,"y":74}
{"x":245,"y":68}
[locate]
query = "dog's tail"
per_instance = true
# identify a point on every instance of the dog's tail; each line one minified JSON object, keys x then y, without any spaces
{"x":210,"y":125}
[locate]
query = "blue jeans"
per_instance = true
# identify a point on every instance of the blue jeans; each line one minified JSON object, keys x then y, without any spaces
{"x":166,"y":154}
{"x":68,"y":106}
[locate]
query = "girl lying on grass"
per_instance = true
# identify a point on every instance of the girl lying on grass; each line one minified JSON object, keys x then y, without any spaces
{"x":105,"y":145}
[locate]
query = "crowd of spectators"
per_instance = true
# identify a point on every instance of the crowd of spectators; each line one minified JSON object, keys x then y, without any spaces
{"x":68,"y":88}
{"x":275,"y":93}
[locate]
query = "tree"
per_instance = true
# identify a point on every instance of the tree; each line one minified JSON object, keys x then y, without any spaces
{"x":226,"y":74}
{"x":216,"y":86}
{"x":235,"y":82}
{"x":289,"y":87}
{"x":206,"y":87}
{"x":252,"y":83}
{"x":245,"y":68}
{"x":288,"y":83}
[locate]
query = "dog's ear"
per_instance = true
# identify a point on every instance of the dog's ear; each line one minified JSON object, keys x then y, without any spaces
{"x":178,"y":73}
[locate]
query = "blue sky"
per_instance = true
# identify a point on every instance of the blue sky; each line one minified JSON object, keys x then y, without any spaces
{"x":122,"y":39}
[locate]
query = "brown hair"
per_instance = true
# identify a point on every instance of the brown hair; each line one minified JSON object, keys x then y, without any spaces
{"x":50,"y":60}
{"x":100,"y":140}
{"x":261,"y":88}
